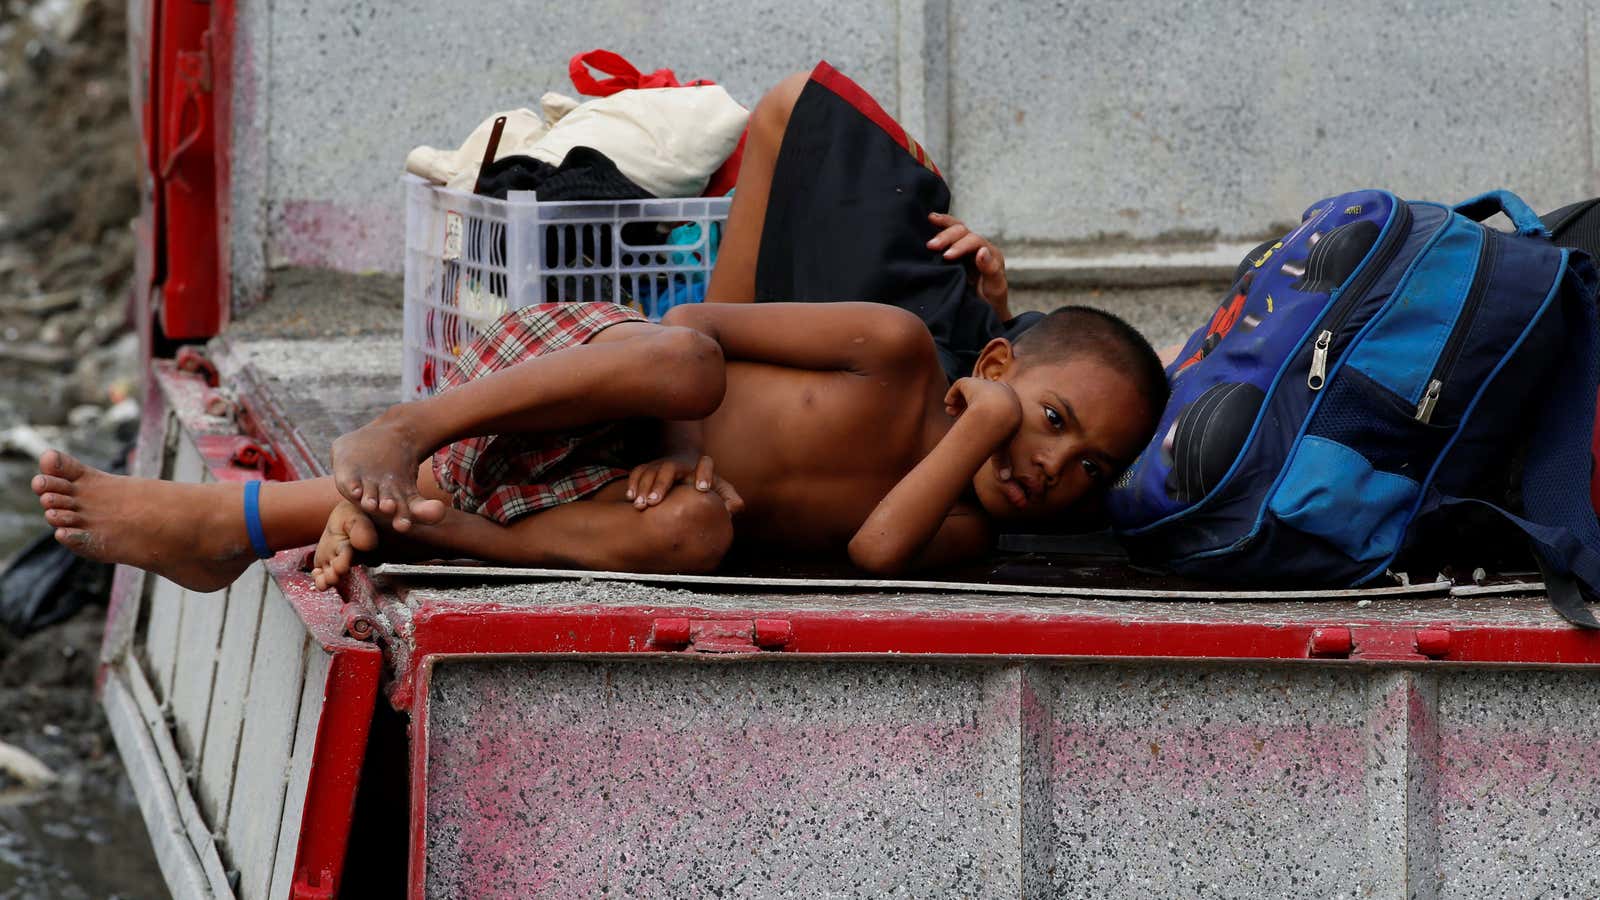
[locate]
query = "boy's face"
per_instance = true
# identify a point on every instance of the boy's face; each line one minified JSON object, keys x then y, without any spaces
{"x":1082,"y":423}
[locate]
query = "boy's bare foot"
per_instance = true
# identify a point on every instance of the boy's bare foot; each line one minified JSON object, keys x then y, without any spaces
{"x":348,"y":530}
{"x":375,"y":466}
{"x":191,"y":534}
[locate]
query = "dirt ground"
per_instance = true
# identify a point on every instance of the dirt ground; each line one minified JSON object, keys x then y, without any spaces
{"x":68,"y":194}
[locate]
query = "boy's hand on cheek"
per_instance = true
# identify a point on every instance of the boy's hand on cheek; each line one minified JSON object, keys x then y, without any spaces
{"x":996,"y":411}
{"x":993,"y":404}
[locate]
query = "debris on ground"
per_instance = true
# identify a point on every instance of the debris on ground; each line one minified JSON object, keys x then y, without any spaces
{"x":70,"y":362}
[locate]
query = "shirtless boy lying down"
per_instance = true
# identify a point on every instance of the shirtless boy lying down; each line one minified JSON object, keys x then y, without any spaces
{"x":810,"y":427}
{"x":834,"y":421}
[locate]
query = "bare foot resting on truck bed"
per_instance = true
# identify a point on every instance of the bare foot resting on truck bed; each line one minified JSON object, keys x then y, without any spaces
{"x":348,"y":531}
{"x":191,"y":534}
{"x":375,"y":467}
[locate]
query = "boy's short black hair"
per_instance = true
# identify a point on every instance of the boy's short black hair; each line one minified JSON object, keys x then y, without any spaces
{"x":1083,"y":330}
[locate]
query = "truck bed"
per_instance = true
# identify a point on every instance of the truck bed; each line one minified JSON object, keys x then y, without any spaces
{"x":1069,"y":728}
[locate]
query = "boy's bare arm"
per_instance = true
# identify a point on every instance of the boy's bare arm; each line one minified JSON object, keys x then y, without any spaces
{"x":919,"y":522}
{"x":842,"y":336}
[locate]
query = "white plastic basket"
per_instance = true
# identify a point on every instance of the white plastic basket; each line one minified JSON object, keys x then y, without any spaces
{"x":471,"y":260}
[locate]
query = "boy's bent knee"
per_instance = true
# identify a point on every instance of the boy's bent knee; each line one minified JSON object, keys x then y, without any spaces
{"x":771,"y":114}
{"x":698,"y":373}
{"x":691,"y":531}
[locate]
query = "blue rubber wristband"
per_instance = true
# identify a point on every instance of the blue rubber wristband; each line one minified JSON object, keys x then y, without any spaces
{"x":252,"y":520}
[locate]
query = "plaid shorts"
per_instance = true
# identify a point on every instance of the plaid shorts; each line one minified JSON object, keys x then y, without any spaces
{"x":507,"y":476}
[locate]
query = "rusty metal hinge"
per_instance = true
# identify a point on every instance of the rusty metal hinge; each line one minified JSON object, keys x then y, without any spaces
{"x":1379,"y":643}
{"x":721,"y":635}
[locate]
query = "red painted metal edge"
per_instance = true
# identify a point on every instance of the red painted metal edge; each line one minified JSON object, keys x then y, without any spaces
{"x":418,"y":868}
{"x":184,"y":121}
{"x":341,"y":744}
{"x":443,"y":630}
{"x":221,"y":46}
{"x":454,"y":628}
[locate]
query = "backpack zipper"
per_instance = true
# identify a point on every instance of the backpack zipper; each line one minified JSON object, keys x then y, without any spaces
{"x":1399,"y":229}
{"x":1488,"y":255}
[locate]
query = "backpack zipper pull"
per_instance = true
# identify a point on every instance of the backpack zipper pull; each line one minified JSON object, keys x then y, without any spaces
{"x":1430,"y":399}
{"x":1319,"y":362}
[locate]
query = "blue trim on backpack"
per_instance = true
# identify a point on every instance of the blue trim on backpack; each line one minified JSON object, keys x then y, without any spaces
{"x":1466,"y":414}
{"x":1316,"y":488}
{"x":1386,"y":358}
{"x":1316,"y":403}
{"x":1283,"y":369}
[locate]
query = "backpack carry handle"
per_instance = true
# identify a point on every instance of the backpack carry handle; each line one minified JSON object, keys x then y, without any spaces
{"x":1519,"y":212}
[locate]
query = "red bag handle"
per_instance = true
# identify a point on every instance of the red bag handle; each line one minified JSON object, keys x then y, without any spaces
{"x":624,"y":75}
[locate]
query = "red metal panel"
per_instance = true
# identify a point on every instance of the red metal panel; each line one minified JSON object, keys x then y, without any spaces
{"x":145,"y":83}
{"x":417,"y":879}
{"x":453,"y":628}
{"x":341,"y":743}
{"x":221,"y":46}
{"x":179,"y":237}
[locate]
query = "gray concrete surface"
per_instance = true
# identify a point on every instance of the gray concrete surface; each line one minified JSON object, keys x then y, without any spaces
{"x":1075,"y":119}
{"x":1066,"y":126}
{"x":1165,"y":314}
{"x":910,"y":778}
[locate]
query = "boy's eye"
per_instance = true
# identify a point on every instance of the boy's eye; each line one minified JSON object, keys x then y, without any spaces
{"x":1053,"y":417}
{"x":1093,"y":470}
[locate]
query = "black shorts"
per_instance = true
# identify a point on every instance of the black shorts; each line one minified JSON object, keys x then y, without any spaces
{"x":847,"y":219}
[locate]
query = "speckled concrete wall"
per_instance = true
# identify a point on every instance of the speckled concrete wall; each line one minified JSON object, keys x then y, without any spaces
{"x":771,"y":778}
{"x":331,"y":96}
{"x":1060,"y":122}
{"x":1074,"y":119}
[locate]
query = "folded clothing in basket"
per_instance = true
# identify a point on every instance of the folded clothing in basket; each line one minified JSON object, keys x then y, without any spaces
{"x":668,"y":141}
{"x":458,"y":168}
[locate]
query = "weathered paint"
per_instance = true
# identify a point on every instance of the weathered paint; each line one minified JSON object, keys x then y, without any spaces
{"x":1191,"y":765}
{"x":220,"y":758}
{"x":180,"y":862}
{"x":313,"y":695}
{"x":199,"y":641}
{"x":161,"y":643}
{"x":559,"y":779}
{"x":269,"y":703}
{"x":269,"y":728}
{"x":775,"y":776}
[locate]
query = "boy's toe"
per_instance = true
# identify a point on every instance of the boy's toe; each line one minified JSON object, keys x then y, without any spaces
{"x":50,"y":484}
{"x":63,"y":518}
{"x":57,"y":501}
{"x":72,"y":538}
{"x":341,"y":560}
{"x":427,"y":512}
{"x":60,"y":465}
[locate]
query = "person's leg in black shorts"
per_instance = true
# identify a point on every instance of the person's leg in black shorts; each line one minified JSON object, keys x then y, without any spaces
{"x":832,"y":203}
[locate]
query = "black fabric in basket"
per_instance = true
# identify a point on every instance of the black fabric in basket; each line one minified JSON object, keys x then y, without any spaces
{"x":585,"y":175}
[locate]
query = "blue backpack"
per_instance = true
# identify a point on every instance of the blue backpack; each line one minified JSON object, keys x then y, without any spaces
{"x":1367,"y":373}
